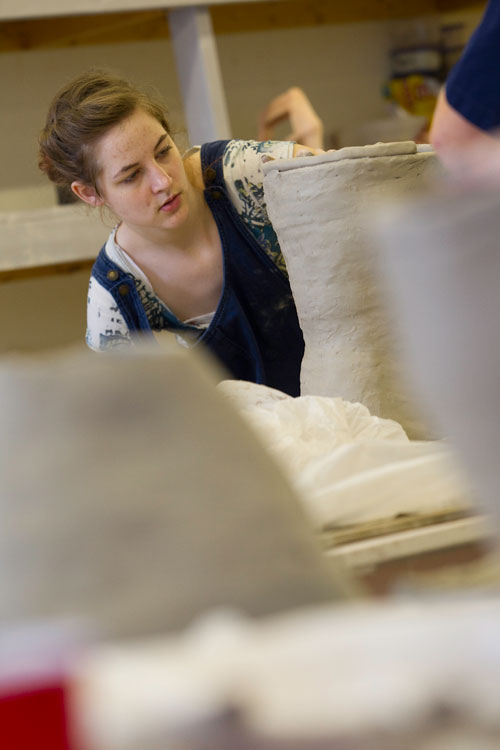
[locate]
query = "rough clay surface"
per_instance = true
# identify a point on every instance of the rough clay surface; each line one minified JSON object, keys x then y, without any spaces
{"x":322,"y":210}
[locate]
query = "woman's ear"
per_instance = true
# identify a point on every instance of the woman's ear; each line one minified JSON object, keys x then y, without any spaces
{"x":87,"y":194}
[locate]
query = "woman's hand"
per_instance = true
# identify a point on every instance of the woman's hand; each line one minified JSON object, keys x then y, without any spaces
{"x":306,"y":126}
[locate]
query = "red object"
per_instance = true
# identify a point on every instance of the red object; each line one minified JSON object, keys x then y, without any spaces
{"x":34,"y":718}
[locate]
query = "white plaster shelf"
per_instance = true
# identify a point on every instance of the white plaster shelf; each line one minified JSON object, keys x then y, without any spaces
{"x":411,"y":542}
{"x":18,"y":9}
{"x":48,"y":237}
{"x":330,"y":11}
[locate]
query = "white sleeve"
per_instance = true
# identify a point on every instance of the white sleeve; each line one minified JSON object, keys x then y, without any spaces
{"x":243,"y":177}
{"x":243,"y":174}
{"x":105,"y":325}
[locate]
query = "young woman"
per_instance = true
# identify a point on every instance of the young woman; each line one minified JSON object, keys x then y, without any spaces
{"x":193,"y":250}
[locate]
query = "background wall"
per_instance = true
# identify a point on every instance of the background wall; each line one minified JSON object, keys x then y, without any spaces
{"x":342,"y":68}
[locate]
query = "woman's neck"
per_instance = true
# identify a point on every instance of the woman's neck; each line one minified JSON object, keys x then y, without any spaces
{"x":185,"y":269}
{"x":196,"y":231}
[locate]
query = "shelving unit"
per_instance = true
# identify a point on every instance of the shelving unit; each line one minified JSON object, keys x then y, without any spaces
{"x":47,"y":240}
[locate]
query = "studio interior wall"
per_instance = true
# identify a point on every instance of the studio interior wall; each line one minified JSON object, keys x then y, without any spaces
{"x":341,"y":67}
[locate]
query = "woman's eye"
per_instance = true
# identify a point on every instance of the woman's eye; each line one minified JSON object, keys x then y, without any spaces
{"x":131,"y":176}
{"x":163,"y":152}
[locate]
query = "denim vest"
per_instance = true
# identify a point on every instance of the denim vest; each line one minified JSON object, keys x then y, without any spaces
{"x":255,"y":331}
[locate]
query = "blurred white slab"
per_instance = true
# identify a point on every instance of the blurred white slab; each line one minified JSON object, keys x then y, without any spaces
{"x":441,"y":262}
{"x":412,"y":542}
{"x":134,"y":497}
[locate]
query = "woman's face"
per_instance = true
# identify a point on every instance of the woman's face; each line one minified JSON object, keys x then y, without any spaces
{"x":142,"y":177}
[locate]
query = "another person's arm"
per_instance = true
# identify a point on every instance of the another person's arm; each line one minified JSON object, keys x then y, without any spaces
{"x":458,"y":142}
{"x":294,"y":106}
{"x":450,"y":129}
{"x":467,"y":116}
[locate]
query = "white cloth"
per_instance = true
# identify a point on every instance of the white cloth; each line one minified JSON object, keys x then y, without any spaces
{"x":347,"y":465}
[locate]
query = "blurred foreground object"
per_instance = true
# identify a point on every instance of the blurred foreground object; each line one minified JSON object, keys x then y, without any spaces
{"x":321,"y":209}
{"x":420,"y":676}
{"x":134,"y":497}
{"x":293,"y":105}
{"x":36,"y":660}
{"x":441,"y":263}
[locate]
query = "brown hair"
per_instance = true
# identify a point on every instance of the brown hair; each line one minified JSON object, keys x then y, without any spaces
{"x":80,"y":114}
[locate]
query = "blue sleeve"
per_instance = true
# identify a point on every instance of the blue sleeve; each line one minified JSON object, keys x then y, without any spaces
{"x":473,"y":85}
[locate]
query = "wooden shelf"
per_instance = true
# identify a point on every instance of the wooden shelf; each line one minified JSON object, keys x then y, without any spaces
{"x":145,"y":25}
{"x":46,"y":241}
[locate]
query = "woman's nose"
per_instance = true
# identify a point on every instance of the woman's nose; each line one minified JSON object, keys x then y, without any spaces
{"x":160,"y":179}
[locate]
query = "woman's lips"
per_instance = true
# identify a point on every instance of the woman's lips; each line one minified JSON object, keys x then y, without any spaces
{"x":171,"y":204}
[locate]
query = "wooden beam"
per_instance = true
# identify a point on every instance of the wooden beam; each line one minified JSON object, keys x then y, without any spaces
{"x":110,"y":28}
{"x":445,"y":6}
{"x":72,"y":31}
{"x":296,"y":14}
